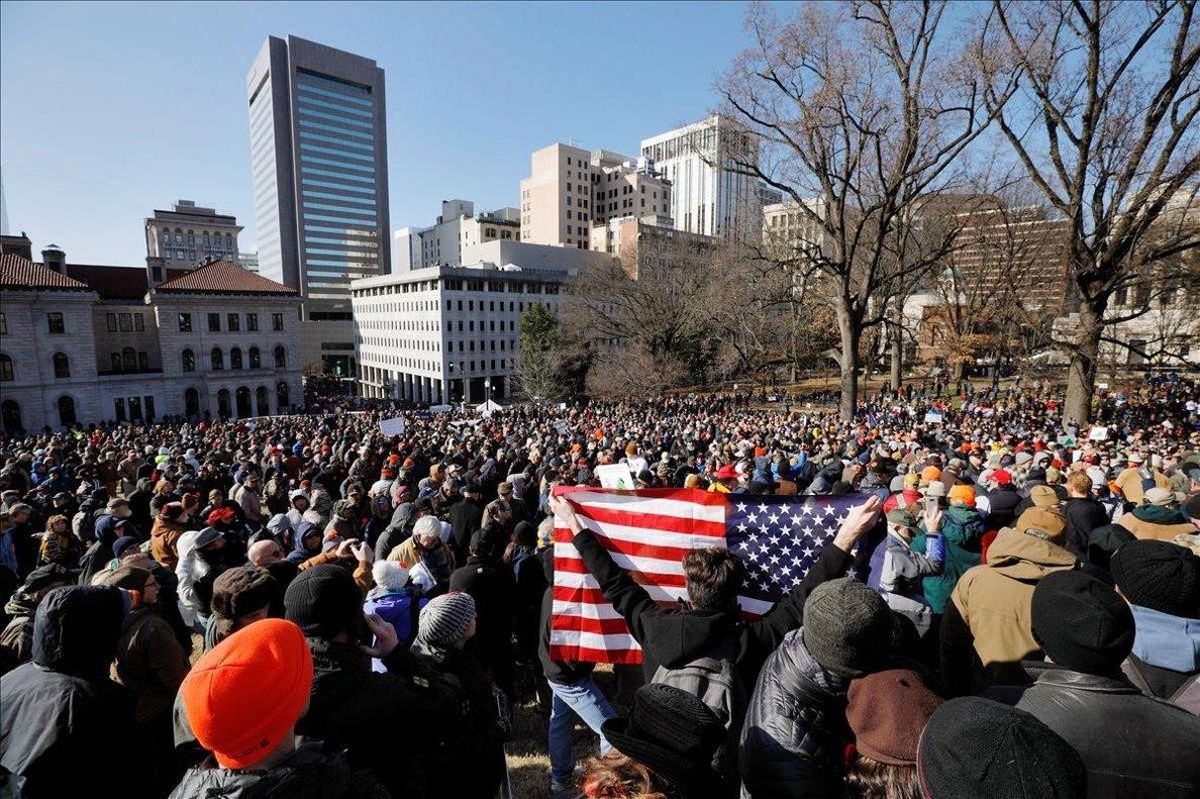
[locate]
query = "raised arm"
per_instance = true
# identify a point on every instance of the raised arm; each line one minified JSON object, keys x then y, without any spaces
{"x":628,"y":598}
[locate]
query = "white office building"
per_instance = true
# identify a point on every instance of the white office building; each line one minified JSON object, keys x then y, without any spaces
{"x":457,"y":227}
{"x":449,"y":334}
{"x":708,"y":195}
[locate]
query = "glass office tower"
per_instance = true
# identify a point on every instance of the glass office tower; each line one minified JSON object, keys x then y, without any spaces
{"x":318,"y":141}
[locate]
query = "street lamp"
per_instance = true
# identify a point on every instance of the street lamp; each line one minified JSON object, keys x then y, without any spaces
{"x":487,"y":388}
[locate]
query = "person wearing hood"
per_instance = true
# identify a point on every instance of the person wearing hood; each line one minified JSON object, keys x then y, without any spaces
{"x":987,"y":620}
{"x":151,"y":664}
{"x":243,"y":700}
{"x":16,"y":641}
{"x":308,"y":542}
{"x":105,"y":531}
{"x":199,"y":555}
{"x":1158,"y":517}
{"x":344,"y":525}
{"x":1161,"y":583}
{"x":298,"y":503}
{"x":395,"y":600}
{"x":169,"y":527}
{"x":425,"y":546}
{"x":1086,"y":631}
{"x":58,"y":545}
{"x":64,"y":725}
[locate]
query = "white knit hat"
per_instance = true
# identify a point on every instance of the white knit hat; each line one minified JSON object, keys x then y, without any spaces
{"x":389,"y":575}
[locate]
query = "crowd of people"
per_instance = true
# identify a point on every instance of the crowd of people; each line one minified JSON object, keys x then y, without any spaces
{"x":302,"y":606}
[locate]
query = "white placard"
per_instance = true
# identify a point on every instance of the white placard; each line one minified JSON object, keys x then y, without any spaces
{"x":1098,"y":434}
{"x":933,"y":417}
{"x":562,"y":428}
{"x":615,"y":475}
{"x":392,"y":427}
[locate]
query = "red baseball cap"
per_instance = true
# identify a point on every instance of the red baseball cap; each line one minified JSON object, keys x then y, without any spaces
{"x":1002,"y":477}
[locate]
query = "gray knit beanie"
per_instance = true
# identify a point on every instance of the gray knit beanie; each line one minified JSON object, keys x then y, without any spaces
{"x":847,"y":627}
{"x":444,"y":620}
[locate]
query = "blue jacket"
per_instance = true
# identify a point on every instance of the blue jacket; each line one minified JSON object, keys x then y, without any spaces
{"x":398,"y":608}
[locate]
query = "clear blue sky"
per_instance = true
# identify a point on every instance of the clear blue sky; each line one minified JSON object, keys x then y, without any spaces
{"x":112,"y":110}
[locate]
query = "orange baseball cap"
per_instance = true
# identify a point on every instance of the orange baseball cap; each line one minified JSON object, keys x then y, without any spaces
{"x":964,"y":493}
{"x":246,"y":693}
{"x":930,"y":473}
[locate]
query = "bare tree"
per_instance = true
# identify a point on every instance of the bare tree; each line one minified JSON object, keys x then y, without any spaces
{"x":864,"y":111}
{"x":1105,"y":126}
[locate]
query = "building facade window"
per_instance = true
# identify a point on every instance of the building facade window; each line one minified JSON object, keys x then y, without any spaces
{"x":214,"y":323}
{"x":188,"y":361}
{"x":144,"y":361}
{"x":218,"y":359}
{"x":3,"y":325}
{"x":255,"y":358}
{"x":54,"y":321}
{"x":128,"y":359}
{"x":6,"y":368}
{"x":125,"y":322}
{"x":252,"y":322}
{"x":280,"y":358}
{"x":62,"y":366}
{"x":277,"y":321}
{"x":235,"y":358}
{"x":234,"y":322}
{"x":139,"y":322}
{"x":119,"y":408}
{"x":115,"y":361}
{"x":185,"y":323}
{"x":112,"y":322}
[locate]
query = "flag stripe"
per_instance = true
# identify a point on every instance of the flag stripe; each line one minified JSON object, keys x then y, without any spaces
{"x":623,"y":545}
{"x":624,"y":656}
{"x":589,"y":624}
{"x":638,"y":523}
{"x":655,"y":571}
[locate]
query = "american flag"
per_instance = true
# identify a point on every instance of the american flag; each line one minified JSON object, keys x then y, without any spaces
{"x":648,"y":532}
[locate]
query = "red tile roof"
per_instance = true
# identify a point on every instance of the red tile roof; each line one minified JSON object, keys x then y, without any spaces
{"x":224,"y":277}
{"x":21,"y":273}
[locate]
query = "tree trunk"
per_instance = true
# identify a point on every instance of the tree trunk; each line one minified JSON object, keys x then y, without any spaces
{"x":896,"y":342}
{"x":850,"y":332}
{"x":1081,"y":374}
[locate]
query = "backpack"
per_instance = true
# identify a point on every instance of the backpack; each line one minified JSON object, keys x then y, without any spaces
{"x":714,"y":679}
{"x":83,"y":525}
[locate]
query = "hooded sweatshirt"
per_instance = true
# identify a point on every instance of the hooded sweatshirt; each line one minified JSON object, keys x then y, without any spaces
{"x":996,"y":599}
{"x":1166,"y":654}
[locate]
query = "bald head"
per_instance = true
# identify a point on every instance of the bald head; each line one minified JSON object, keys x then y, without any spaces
{"x":264,"y":553}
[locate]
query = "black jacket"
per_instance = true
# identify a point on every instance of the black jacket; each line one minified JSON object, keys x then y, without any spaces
{"x":1133,"y":746}
{"x":556,"y":671}
{"x":64,"y":725}
{"x":795,"y":730}
{"x":675,"y":636}
{"x":492,"y":587}
{"x":1002,"y":507}
{"x":465,"y":518}
{"x":385,"y":720}
{"x":307,"y":774}
{"x":1083,"y":515}
{"x":468,"y":762}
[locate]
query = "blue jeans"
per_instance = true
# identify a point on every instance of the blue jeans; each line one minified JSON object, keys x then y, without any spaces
{"x":583,"y":699}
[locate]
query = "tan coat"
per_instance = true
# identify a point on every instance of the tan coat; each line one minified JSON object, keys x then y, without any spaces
{"x":1159,"y":532}
{"x":1130,"y":483}
{"x":150,"y":662}
{"x":164,"y":542}
{"x":995,"y":599}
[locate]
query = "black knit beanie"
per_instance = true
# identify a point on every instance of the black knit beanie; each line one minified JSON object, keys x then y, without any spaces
{"x":1081,"y":623}
{"x":1160,"y":576}
{"x":847,"y":627}
{"x":973,"y":747}
{"x":324,"y":601}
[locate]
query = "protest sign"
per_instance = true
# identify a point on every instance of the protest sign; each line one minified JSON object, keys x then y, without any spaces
{"x":615,"y":475}
{"x":392,"y":427}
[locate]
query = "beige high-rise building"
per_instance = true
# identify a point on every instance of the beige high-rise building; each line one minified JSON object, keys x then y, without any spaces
{"x":569,"y":189}
{"x":556,"y":198}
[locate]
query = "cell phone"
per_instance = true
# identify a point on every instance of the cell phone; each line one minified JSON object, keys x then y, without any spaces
{"x":931,"y":504}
